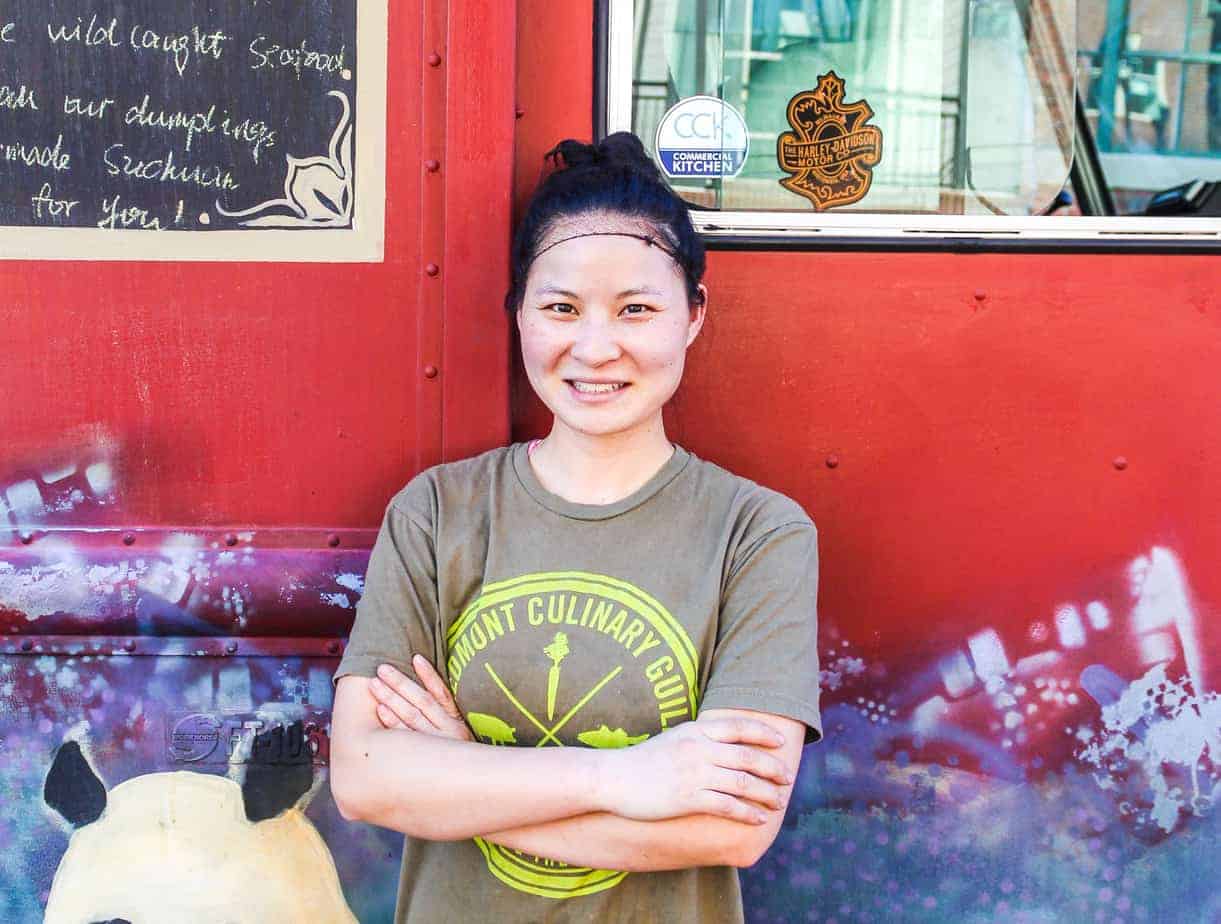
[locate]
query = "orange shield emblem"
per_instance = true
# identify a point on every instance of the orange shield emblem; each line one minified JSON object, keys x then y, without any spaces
{"x":831,"y":152}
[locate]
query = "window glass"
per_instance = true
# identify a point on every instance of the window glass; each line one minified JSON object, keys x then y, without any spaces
{"x":958,"y":107}
{"x":1150,"y":76}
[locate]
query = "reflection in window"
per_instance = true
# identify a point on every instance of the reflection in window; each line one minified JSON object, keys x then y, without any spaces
{"x":1150,"y":73}
{"x":974,"y":98}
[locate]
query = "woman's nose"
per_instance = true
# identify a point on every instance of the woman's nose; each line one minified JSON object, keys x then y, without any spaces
{"x":595,"y":344}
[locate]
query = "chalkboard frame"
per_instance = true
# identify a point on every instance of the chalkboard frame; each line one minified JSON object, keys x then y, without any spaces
{"x":363,"y":242}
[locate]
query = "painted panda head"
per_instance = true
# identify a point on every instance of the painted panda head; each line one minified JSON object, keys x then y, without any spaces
{"x":191,"y":847}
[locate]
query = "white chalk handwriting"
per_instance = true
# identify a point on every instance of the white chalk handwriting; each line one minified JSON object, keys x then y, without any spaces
{"x":166,"y":170}
{"x":87,"y":109}
{"x":182,"y":45}
{"x":33,"y":155}
{"x":265,"y":54}
{"x":46,"y":203}
{"x":21,"y":97}
{"x":6,"y":32}
{"x":255,"y":133}
{"x":89,"y":35}
{"x":131,"y":216}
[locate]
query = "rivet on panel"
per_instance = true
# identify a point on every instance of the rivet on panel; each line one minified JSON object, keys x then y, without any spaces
{"x":832,"y":461}
{"x":1120,"y":463}
{"x":231,"y":648}
{"x":431,"y":372}
{"x":432,"y":269}
{"x":432,"y":166}
{"x":129,"y":538}
{"x":332,"y":540}
{"x":26,"y":538}
{"x":332,"y":648}
{"x":27,"y":645}
{"x":129,"y":646}
{"x":434,"y":60}
{"x":518,"y":113}
{"x":230,"y":539}
{"x":980,"y":295}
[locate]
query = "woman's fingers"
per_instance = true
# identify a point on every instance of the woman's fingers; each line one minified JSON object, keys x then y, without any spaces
{"x":743,"y":785}
{"x":413,"y":693}
{"x":741,"y":730}
{"x":395,"y":711}
{"x":435,"y":685}
{"x":753,"y":760}
{"x":711,"y":802}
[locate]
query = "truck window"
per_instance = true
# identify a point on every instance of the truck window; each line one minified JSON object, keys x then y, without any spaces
{"x":939,"y":116}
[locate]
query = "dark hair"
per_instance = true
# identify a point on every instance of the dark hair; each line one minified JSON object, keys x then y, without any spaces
{"x":615,"y":175}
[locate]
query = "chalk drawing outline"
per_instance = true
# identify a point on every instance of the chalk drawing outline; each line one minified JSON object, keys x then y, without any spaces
{"x":318,"y":191}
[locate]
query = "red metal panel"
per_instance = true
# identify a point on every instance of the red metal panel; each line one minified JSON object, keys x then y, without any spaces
{"x":478,"y":180}
{"x":278,"y":395}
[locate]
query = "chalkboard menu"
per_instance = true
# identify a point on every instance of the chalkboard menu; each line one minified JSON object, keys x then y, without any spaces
{"x":180,"y":116}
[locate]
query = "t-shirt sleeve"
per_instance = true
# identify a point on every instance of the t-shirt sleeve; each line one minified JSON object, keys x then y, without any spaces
{"x":396,"y":617}
{"x":766,"y":655}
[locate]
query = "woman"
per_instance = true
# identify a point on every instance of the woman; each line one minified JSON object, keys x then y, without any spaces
{"x":634,"y":627}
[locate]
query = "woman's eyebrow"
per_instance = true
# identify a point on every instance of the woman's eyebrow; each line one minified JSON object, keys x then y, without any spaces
{"x":626,"y":293}
{"x":556,"y":290}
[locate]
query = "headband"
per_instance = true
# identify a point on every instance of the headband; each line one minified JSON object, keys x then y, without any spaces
{"x":648,"y":239}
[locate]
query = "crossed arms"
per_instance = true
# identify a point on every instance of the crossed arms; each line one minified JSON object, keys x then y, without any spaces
{"x":704,"y":793}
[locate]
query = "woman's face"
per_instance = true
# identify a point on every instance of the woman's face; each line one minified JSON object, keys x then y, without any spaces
{"x":605,"y":325}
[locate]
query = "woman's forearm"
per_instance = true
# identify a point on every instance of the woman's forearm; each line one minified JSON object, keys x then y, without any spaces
{"x":606,"y":841}
{"x":442,"y":789}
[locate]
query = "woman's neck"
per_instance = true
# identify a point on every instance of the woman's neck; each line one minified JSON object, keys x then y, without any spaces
{"x":584,"y":469}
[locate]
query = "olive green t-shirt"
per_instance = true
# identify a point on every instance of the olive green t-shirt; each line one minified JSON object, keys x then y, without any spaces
{"x":561,"y":624}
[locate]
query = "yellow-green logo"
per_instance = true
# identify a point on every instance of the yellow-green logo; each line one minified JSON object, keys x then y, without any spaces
{"x":567,"y":659}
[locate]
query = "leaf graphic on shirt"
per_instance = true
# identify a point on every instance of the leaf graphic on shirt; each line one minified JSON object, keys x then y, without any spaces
{"x":603,"y":737}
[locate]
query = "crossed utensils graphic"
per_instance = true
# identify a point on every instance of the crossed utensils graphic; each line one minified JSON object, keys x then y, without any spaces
{"x":549,"y":733}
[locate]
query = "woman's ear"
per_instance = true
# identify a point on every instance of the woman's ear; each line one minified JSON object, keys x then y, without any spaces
{"x":699,"y":310}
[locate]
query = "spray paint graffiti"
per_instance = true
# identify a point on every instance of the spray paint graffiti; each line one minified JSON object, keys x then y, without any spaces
{"x":1066,"y":773}
{"x":189,"y":846}
{"x":170,"y":654}
{"x":1060,"y":768}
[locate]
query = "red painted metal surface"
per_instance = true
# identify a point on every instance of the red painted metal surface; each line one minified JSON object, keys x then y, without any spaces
{"x":293,"y":394}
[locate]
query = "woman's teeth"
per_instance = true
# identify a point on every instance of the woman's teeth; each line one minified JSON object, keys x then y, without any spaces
{"x":596,"y":388}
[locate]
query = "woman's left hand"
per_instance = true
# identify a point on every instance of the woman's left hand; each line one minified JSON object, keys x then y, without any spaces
{"x":403,"y":703}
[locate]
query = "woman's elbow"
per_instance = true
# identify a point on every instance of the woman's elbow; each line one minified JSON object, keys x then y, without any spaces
{"x":750,"y":847}
{"x":347,"y":789}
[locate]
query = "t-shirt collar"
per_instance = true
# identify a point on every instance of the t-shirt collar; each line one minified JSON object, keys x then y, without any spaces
{"x":556,"y":504}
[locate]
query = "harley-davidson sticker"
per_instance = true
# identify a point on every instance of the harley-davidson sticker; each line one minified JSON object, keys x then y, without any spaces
{"x":831,"y":152}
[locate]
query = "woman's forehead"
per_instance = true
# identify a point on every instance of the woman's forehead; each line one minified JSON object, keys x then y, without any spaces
{"x":591,"y":251}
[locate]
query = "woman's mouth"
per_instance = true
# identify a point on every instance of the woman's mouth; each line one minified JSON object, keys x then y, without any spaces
{"x":594,"y":391}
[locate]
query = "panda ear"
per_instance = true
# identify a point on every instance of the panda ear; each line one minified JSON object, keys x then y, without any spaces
{"x":72,"y":788}
{"x":279,"y":772}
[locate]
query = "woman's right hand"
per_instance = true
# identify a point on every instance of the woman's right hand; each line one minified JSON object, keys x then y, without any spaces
{"x":721,"y":766}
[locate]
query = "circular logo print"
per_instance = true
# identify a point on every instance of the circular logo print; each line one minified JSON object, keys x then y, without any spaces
{"x":194,"y":737}
{"x":567,"y":659}
{"x":702,"y":137}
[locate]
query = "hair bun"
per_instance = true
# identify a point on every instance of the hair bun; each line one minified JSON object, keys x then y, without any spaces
{"x":622,"y":149}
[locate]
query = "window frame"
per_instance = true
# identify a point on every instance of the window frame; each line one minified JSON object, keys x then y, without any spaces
{"x":614,"y":23}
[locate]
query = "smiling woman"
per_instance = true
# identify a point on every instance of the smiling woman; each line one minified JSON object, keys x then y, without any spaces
{"x":550,"y":703}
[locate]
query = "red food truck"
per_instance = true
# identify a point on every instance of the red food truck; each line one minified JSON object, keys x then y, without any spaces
{"x":965,"y":308}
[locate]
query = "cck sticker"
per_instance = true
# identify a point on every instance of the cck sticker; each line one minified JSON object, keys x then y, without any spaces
{"x":830,"y":153}
{"x":702,"y":136}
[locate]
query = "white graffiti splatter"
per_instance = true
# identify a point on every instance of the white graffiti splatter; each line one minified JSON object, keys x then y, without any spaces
{"x":1164,"y":729}
{"x":355,"y":582}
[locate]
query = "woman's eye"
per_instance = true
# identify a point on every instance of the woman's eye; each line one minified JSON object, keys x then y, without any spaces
{"x":560,"y":308}
{"x":636,"y":309}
